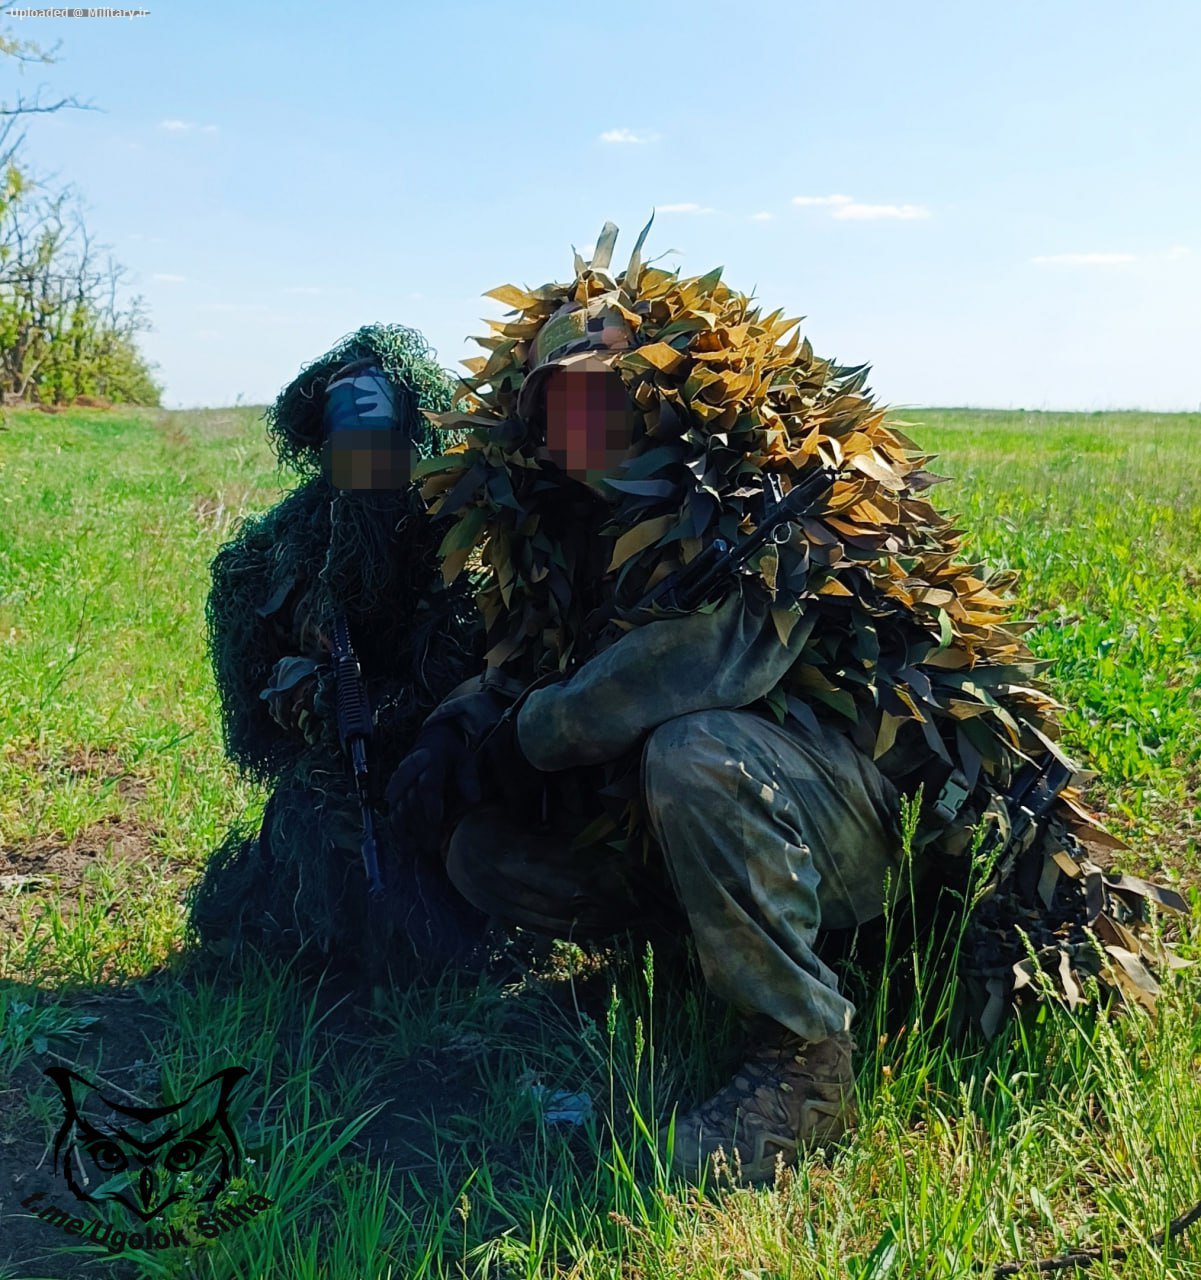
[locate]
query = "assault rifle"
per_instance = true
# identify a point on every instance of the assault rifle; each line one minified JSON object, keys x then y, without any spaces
{"x":1028,"y":801}
{"x":354,"y":729}
{"x":699,"y":580}
{"x":702,"y":577}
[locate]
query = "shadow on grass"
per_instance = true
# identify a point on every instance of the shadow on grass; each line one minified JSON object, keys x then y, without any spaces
{"x":418,"y":1122}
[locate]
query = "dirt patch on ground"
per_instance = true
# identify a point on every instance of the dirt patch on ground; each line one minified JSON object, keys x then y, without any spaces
{"x":48,"y":867}
{"x":119,"y":1051}
{"x":1167,"y":844}
{"x":101,"y":767}
{"x":51,"y":866}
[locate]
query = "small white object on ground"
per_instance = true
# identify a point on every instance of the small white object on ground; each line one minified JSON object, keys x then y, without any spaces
{"x":560,"y":1107}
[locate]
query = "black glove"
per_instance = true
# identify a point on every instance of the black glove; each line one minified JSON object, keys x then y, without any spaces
{"x":440,"y":772}
{"x":466,"y":753}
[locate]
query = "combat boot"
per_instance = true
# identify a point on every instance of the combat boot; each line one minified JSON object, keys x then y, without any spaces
{"x":789,"y":1096}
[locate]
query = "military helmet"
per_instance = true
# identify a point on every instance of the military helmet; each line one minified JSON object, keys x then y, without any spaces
{"x":579,"y":335}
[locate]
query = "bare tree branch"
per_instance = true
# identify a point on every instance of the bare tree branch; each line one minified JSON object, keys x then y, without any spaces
{"x":23,"y":108}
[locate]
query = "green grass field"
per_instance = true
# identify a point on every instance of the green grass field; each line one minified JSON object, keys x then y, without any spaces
{"x":404,"y":1136}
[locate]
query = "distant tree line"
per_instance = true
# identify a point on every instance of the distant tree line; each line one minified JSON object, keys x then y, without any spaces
{"x":66,"y":330}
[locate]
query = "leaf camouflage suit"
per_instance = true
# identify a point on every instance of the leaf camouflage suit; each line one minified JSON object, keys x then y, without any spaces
{"x":744,"y":763}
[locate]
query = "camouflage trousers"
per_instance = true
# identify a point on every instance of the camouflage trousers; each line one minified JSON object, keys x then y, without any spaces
{"x":768,"y":835}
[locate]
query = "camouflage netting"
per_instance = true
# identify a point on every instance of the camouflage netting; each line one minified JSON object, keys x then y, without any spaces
{"x":295,"y":887}
{"x":910,"y":650}
{"x":277,"y":583}
{"x":276,"y":586}
{"x":294,"y":421}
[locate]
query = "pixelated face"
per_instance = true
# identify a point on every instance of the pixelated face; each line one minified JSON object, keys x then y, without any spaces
{"x":369,"y":458}
{"x":364,"y":446}
{"x":590,"y":422}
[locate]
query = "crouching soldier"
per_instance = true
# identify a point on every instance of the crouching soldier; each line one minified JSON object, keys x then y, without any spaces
{"x":732,"y":758}
{"x":350,"y":546}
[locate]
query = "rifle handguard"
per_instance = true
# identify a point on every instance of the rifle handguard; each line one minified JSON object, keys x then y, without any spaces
{"x":354,"y":711}
{"x":698,"y":581}
{"x":354,"y":730}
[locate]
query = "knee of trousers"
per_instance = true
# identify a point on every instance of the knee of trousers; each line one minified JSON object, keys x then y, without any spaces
{"x":683,"y":757}
{"x":702,"y":757}
{"x":690,"y":771}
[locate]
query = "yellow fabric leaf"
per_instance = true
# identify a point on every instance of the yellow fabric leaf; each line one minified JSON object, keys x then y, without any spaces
{"x":769,"y":566}
{"x":810,"y":677}
{"x":662,"y":355}
{"x":907,"y":698}
{"x":855,"y":445}
{"x":889,"y":724}
{"x":962,"y":710}
{"x":785,"y":620}
{"x":948,"y":660}
{"x":512,"y":296}
{"x":639,"y":538}
{"x":871,"y":464}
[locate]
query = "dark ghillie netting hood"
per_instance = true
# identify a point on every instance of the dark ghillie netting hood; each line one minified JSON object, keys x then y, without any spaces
{"x":911,"y":651}
{"x":278,"y":582}
{"x":276,"y":587}
{"x":294,"y":421}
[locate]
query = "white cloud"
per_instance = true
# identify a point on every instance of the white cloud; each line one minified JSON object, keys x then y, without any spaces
{"x":847,"y":207}
{"x":762,"y":216}
{"x":186,"y":126}
{"x":687,"y":207}
{"x":233,"y":308}
{"x":876,"y":212}
{"x":1084,"y":259}
{"x":628,"y":135}
{"x":1180,"y":251}
{"x":810,"y":200}
{"x":166,"y":277}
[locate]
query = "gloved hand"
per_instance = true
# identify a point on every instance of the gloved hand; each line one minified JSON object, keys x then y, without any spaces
{"x":440,"y":772}
{"x":466,"y":752}
{"x":299,"y":700}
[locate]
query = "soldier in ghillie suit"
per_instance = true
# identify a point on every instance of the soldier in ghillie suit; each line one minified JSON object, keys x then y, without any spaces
{"x":352,"y":540}
{"x":738,"y":762}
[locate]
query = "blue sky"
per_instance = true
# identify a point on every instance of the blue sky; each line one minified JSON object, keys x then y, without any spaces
{"x":993,"y":204}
